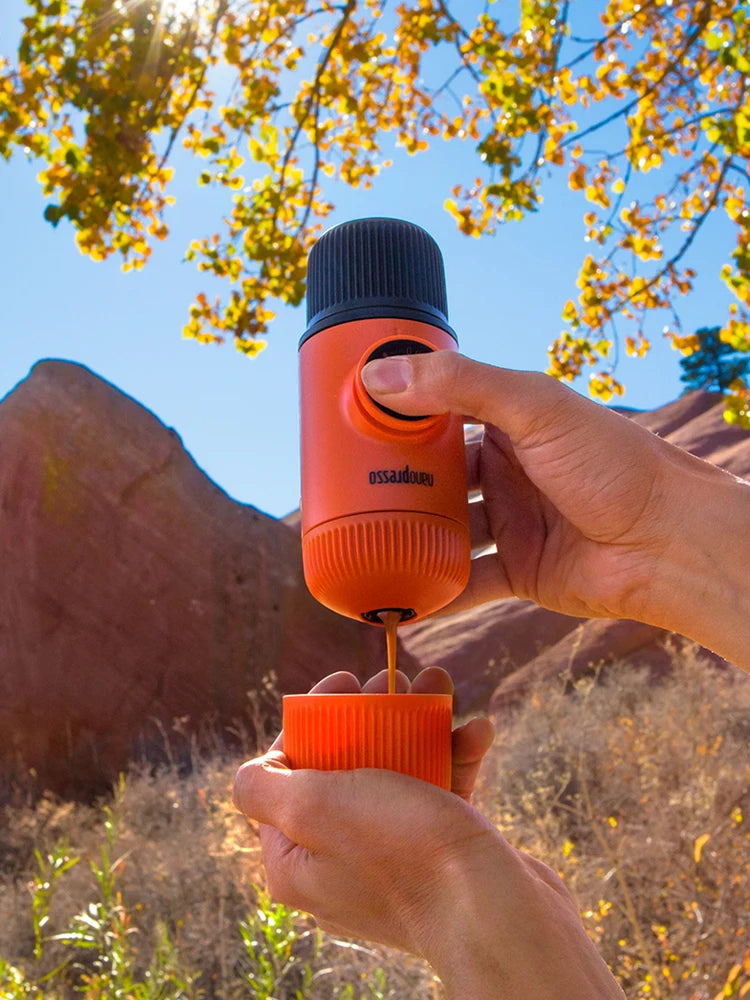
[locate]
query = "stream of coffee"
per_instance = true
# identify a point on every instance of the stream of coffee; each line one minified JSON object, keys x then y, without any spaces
{"x":391,"y":619}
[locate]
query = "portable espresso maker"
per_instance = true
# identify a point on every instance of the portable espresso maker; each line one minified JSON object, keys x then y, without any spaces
{"x":384,"y":497}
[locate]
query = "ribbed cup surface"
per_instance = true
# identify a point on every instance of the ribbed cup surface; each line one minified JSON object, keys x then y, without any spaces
{"x":408,"y":733}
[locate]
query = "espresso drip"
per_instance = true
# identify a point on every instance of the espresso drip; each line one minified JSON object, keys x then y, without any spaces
{"x":391,"y":619}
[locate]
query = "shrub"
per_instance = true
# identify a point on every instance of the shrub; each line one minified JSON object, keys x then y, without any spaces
{"x":636,"y":790}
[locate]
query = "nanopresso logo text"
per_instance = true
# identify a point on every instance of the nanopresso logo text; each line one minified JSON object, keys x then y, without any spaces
{"x":405,"y":475}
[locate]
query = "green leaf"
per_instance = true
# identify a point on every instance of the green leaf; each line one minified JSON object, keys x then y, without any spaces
{"x":53,"y":214}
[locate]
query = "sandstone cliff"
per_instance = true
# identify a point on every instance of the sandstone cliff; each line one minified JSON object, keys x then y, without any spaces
{"x":133,"y":591}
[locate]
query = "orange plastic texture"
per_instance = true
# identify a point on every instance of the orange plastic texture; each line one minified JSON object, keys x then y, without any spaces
{"x":408,"y":733}
{"x":384,"y":500}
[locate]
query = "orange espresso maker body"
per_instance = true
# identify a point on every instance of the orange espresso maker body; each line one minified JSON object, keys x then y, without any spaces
{"x":384,"y":497}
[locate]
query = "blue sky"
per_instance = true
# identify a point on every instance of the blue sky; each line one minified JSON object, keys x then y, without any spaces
{"x":237,"y":416}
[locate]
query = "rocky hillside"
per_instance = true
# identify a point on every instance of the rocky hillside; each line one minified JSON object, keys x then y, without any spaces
{"x":134,"y":592}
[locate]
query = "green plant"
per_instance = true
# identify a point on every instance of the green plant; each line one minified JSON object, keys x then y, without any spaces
{"x":377,"y":989}
{"x":279,"y":951}
{"x":174,"y":872}
{"x":709,"y":362}
{"x":14,"y":985}
{"x":106,"y":930}
{"x":50,"y":869}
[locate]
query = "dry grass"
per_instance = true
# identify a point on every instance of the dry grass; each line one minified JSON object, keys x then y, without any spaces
{"x":178,"y":903}
{"x":637,"y":792}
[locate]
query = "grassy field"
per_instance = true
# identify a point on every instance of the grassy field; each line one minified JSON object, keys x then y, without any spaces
{"x":637,"y":791}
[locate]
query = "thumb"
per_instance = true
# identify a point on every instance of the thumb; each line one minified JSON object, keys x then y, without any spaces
{"x":448,"y":382}
{"x":268,"y":791}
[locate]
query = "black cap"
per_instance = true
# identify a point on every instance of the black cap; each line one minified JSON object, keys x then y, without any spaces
{"x":374,"y":268}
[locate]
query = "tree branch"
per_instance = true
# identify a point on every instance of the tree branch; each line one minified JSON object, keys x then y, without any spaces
{"x":313,"y":98}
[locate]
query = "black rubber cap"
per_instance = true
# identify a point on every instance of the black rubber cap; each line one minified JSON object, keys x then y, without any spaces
{"x":373,"y":268}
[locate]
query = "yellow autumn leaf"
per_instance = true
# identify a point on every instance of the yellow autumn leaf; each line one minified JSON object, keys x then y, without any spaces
{"x":699,"y":845}
{"x":142,"y":84}
{"x":577,"y":178}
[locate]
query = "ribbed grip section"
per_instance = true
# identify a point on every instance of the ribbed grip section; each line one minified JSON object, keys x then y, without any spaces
{"x":373,"y":268}
{"x":395,"y":559}
{"x":407,"y":733}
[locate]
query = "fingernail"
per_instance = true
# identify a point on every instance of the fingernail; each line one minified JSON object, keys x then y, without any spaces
{"x":387,"y":375}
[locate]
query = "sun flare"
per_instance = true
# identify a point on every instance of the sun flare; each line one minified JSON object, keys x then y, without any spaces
{"x":183,"y":9}
{"x":168,"y":10}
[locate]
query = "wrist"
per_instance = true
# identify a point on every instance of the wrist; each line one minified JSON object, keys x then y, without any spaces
{"x":509,"y":928}
{"x":699,"y":584}
{"x":466,"y":942}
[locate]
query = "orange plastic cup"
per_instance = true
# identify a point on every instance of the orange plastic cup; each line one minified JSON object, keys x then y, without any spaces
{"x":408,"y":733}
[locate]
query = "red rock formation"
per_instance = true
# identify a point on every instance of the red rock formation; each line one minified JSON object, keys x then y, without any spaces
{"x":595,"y":644}
{"x":133,"y":591}
{"x":483,"y":645}
{"x":670,"y":417}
